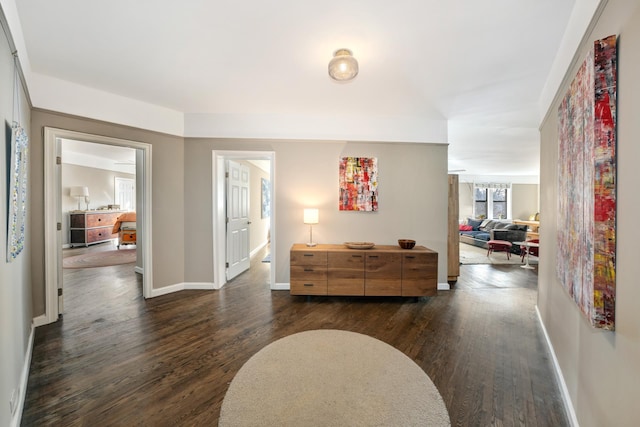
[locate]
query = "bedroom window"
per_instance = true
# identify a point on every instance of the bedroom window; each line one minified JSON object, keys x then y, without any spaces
{"x":491,"y":201}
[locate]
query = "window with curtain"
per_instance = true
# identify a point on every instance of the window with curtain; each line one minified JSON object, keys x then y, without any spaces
{"x":491,"y":200}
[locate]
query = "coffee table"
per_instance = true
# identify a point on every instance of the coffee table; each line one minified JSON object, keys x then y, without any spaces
{"x":528,"y":245}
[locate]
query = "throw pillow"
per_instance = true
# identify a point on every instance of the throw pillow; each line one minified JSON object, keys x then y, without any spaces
{"x":474,"y":223}
{"x":466,"y":228}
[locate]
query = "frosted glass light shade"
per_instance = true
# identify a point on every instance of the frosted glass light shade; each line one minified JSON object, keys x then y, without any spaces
{"x":311,"y":216}
{"x":343,"y":66}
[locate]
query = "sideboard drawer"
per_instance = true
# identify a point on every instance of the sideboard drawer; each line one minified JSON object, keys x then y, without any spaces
{"x":310,"y":257}
{"x":308,"y":287}
{"x":100,"y":234}
{"x":309,"y":272}
{"x":101,"y":219}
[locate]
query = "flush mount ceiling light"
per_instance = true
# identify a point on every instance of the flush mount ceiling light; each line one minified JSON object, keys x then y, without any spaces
{"x":343,"y":66}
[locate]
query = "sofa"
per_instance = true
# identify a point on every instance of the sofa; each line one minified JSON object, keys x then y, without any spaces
{"x":479,"y":232}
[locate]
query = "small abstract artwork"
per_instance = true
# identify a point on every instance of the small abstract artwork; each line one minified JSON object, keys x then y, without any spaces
{"x":358,"y":178}
{"x":265,"y":211}
{"x":17,"y":186}
{"x":586,"y":239}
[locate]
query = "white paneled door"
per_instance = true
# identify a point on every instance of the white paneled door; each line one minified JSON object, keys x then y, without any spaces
{"x":238,"y":221}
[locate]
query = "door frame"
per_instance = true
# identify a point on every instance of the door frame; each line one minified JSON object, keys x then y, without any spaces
{"x":52,"y":200}
{"x":219,"y":206}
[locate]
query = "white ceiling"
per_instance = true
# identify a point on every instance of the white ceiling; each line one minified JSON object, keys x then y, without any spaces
{"x":478,"y":65}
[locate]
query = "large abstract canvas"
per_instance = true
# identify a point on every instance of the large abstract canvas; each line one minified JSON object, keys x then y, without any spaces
{"x":586,"y":239}
{"x":358,"y":184}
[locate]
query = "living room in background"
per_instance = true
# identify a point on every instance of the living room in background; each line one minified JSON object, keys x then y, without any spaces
{"x":492,"y":200}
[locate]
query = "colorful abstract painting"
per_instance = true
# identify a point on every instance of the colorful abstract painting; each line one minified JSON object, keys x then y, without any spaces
{"x":358,"y":184}
{"x":586,"y":239}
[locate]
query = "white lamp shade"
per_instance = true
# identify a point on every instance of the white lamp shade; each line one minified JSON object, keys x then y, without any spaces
{"x":311,"y":216}
{"x":79,"y":191}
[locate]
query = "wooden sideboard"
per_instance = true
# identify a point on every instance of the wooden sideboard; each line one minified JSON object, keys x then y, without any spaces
{"x":88,"y":227}
{"x":380,"y":271}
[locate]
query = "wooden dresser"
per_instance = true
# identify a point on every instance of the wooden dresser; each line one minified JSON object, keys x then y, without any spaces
{"x":88,"y":227}
{"x":380,"y":271}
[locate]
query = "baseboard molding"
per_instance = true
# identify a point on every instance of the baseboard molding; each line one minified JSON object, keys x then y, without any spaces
{"x":40,"y":320}
{"x":138,"y":270}
{"x":566,"y":397}
{"x":258,"y":248}
{"x":444,"y":287}
{"x":16,"y":418}
{"x":280,"y":287}
{"x":182,"y":287}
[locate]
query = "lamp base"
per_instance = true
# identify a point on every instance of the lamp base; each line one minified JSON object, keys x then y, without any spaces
{"x":311,"y":244}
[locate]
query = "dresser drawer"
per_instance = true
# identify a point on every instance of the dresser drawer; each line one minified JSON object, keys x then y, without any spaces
{"x":308,"y":287}
{"x":309,"y":258}
{"x":309,"y":272}
{"x":100,"y":234}
{"x":101,"y":219}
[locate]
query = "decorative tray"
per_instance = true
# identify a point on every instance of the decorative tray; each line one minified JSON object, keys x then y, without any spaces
{"x":359,"y":245}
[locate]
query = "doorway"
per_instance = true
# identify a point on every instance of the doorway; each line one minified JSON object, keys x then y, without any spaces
{"x":53,"y":212}
{"x":219,"y":159}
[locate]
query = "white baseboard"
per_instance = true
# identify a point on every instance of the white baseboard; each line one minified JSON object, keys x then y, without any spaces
{"x":258,"y":248}
{"x":16,"y":418}
{"x":566,"y":397}
{"x":40,"y":320}
{"x":138,"y":270}
{"x":444,"y":287}
{"x":181,"y":287}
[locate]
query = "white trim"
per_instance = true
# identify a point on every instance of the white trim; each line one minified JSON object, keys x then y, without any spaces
{"x":566,"y":397}
{"x":184,"y":286}
{"x":258,"y":249}
{"x":218,"y":158}
{"x":52,"y":193}
{"x":444,"y":287}
{"x":138,"y":270}
{"x":16,"y":417}
{"x":40,"y":320}
{"x":281,"y":287}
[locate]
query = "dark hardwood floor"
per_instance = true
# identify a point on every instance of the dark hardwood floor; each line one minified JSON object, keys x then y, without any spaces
{"x":115,"y":359}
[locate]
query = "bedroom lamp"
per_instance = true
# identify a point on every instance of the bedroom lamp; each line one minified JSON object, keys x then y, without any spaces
{"x":311,"y":217}
{"x":79,"y":193}
{"x":343,"y":66}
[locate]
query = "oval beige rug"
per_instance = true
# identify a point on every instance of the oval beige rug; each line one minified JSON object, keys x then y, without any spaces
{"x":332,"y":378}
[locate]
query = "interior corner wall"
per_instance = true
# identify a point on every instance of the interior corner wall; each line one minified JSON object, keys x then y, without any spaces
{"x":167,"y":210}
{"x":601,"y":369}
{"x":413,"y":195}
{"x":15,"y":277}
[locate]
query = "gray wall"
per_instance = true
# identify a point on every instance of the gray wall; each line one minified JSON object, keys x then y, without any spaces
{"x":101,"y":186}
{"x":15,"y":277}
{"x":601,"y":369}
{"x":168,"y":201}
{"x":413,"y":197}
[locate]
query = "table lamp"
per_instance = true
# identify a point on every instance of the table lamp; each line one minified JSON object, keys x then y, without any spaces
{"x":311,"y":217}
{"x":79,"y":193}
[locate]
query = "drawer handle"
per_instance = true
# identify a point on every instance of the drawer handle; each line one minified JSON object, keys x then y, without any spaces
{"x":409,"y":256}
{"x":357,"y":256}
{"x":308,"y":255}
{"x":308,"y":284}
{"x":99,"y":219}
{"x":373,"y":256}
{"x":308,"y":269}
{"x":99,"y":234}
